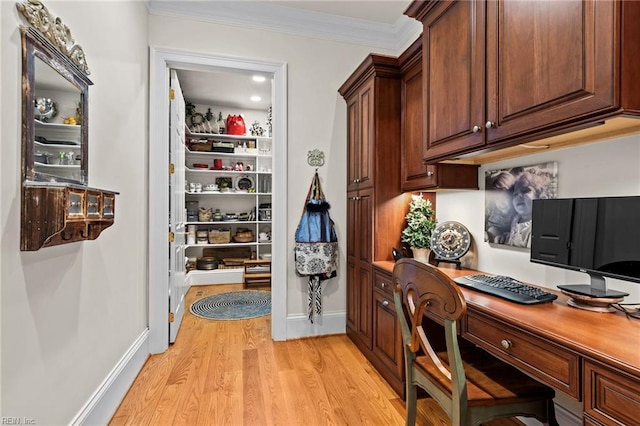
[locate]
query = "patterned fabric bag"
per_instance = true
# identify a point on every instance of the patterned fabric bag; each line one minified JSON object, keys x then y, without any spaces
{"x":316,"y":248}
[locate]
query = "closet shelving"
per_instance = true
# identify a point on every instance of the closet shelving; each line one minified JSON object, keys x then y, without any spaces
{"x":59,"y":160}
{"x":245,"y":205}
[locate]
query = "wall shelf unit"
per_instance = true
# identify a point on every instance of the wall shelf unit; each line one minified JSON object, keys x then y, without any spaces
{"x":228,"y":177}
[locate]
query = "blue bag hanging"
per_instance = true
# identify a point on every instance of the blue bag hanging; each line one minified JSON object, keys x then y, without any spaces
{"x":316,"y":249}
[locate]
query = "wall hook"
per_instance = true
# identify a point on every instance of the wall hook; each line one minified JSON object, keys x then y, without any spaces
{"x":315,"y":158}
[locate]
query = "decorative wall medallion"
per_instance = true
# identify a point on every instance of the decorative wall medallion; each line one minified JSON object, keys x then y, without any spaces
{"x":315,"y":158}
{"x":54,"y":30}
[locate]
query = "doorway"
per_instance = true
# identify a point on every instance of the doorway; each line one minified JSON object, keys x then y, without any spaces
{"x":161,"y":61}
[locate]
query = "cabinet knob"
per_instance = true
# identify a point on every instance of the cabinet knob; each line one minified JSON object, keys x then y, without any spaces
{"x":489,"y":124}
{"x":354,"y":181}
{"x":383,"y":285}
{"x":430,"y":173}
{"x":476,"y":129}
{"x":506,"y":343}
{"x":385,"y":303}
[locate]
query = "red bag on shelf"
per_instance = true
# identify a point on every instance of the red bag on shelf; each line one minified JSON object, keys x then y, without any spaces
{"x":235,"y":125}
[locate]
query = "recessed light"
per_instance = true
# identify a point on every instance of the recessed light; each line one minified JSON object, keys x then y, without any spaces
{"x":256,"y":98}
{"x":258,"y":78}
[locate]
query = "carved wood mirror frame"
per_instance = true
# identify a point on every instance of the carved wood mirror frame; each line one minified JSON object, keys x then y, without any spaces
{"x":66,"y":59}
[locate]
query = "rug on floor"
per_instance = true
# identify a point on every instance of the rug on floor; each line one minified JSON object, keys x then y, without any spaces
{"x":233,"y":305}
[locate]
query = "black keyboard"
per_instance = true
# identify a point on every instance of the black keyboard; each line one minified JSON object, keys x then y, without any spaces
{"x":506,"y":288}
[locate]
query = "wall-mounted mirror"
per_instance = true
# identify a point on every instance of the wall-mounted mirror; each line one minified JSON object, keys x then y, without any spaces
{"x":58,"y":206}
{"x":54,"y":114}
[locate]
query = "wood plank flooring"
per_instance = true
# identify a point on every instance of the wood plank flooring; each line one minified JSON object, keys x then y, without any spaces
{"x":232,"y":373}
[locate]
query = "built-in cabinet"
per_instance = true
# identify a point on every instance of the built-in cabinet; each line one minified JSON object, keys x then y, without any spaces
{"x":375,"y":205}
{"x":228,"y":199}
{"x":501,"y":73}
{"x":384,"y":104}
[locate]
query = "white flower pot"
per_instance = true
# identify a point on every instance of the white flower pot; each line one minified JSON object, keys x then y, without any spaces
{"x":421,"y":254}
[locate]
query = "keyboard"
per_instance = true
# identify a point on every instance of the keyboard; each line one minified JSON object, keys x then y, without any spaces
{"x":506,"y":288}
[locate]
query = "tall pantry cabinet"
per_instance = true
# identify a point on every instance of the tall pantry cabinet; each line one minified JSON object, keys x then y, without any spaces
{"x":375,"y":204}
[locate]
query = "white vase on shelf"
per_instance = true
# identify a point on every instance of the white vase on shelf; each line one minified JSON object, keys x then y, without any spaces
{"x":421,"y":254}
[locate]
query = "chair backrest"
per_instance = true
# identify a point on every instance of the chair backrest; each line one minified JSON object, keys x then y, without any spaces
{"x":419,"y":288}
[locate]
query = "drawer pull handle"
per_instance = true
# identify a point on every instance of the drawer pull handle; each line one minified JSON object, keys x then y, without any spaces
{"x":385,"y":303}
{"x":506,"y":343}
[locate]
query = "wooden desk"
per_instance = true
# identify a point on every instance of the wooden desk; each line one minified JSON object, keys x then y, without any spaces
{"x":592,"y":357}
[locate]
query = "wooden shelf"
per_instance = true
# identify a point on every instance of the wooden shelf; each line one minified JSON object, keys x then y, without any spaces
{"x":54,"y":214}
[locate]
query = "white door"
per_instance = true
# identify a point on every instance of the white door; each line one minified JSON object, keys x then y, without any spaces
{"x":177,"y":286}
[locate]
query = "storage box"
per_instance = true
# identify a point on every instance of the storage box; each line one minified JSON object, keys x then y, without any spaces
{"x":219,"y":236}
{"x":228,"y":147}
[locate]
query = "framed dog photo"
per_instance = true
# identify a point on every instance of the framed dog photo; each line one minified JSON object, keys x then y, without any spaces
{"x":509,"y":195}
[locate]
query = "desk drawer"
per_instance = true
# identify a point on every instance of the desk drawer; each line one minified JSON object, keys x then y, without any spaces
{"x":611,"y":397}
{"x":384,"y":283}
{"x":548,"y":362}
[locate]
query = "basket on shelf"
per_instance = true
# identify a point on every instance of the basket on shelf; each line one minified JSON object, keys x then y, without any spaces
{"x":217,"y":236}
{"x":243,"y":235}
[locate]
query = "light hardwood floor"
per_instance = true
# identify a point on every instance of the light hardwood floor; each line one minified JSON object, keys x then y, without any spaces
{"x":232,"y":373}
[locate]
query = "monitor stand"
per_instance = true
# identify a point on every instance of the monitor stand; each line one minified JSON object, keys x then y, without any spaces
{"x":594,"y":297}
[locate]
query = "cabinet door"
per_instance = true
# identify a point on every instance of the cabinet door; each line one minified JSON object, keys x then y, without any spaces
{"x":353,"y":141}
{"x":548,"y":62}
{"x":360,"y":134}
{"x":367,"y":134}
{"x":359,"y":226}
{"x":359,"y":289}
{"x":415,"y":174}
{"x":363,"y":222}
{"x":387,"y":340}
{"x":453,"y":77}
{"x":352,"y":223}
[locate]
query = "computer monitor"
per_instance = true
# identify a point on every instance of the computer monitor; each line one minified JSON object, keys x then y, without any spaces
{"x":598,"y":236}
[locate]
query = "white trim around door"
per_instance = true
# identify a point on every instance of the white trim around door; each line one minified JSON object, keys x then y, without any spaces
{"x":161,"y":61}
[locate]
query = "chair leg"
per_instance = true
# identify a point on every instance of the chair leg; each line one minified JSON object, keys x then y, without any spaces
{"x":551,"y":414}
{"x":412,"y":398}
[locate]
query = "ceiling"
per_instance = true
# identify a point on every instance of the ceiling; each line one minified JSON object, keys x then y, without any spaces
{"x":380,"y":23}
{"x":229,"y":89}
{"x":386,"y":12}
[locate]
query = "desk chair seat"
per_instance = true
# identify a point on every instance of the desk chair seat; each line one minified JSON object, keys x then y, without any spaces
{"x":471,"y":385}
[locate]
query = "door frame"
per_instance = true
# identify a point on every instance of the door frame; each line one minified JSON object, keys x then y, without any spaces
{"x":158,"y":259}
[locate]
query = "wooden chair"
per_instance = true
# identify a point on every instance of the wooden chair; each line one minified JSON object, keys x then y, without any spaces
{"x":471,"y":385}
{"x":256,"y":272}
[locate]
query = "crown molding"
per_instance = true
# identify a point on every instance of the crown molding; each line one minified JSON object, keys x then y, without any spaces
{"x":268,"y":17}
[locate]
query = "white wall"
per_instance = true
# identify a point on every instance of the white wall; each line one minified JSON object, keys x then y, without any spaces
{"x":70,"y":312}
{"x":316,"y":119}
{"x":604,"y":168}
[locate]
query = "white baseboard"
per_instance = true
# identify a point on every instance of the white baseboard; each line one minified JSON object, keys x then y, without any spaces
{"x":328,"y":323}
{"x":105,"y":401}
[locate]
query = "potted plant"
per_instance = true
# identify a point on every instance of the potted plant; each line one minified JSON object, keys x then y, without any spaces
{"x":420,"y":225}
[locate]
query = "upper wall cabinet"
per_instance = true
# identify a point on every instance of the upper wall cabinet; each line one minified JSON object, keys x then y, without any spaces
{"x":57,"y":204}
{"x":416,"y":174}
{"x":501,"y":73}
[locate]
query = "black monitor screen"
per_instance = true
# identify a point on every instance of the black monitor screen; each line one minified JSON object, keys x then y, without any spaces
{"x":594,"y":235}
